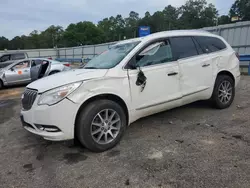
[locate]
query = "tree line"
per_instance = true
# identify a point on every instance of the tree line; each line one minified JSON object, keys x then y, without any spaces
{"x":192,"y":15}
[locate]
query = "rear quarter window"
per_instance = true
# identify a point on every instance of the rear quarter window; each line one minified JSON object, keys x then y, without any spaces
{"x":210,"y":44}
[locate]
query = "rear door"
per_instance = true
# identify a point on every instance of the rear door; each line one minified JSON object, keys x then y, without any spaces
{"x":49,"y":68}
{"x":195,"y":67}
{"x":19,"y":73}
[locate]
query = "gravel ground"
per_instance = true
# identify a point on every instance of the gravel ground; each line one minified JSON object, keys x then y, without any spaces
{"x":191,"y":146}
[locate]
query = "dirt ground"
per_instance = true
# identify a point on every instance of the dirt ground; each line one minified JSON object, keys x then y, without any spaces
{"x":191,"y":146}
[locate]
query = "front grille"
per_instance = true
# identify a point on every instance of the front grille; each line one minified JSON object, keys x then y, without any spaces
{"x":28,"y":98}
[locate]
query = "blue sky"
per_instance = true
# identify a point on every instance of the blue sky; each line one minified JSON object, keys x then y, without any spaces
{"x":22,"y":17}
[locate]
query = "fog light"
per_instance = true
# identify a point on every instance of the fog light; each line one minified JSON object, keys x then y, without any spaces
{"x":47,"y":128}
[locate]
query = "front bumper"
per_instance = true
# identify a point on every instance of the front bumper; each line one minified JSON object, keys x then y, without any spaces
{"x":61,"y":116}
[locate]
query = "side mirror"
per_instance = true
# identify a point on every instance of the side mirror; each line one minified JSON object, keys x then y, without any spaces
{"x":141,"y":78}
{"x":11,"y":69}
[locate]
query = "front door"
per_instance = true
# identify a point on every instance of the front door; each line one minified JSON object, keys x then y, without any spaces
{"x":161,"y":89}
{"x":19,"y":73}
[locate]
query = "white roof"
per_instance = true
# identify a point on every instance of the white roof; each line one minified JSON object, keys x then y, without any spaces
{"x":39,"y":58}
{"x":170,"y":34}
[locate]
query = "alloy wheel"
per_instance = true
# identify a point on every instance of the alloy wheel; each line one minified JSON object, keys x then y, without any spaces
{"x":225,"y":92}
{"x":105,"y":126}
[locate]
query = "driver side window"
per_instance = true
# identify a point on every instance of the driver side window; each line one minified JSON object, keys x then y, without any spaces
{"x":156,"y":53}
{"x":22,"y":65}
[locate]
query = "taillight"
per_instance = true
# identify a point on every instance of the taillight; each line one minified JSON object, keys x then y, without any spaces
{"x":67,"y":64}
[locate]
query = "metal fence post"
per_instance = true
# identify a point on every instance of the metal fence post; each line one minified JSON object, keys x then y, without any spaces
{"x":57,"y":53}
{"x":82,"y":52}
{"x":249,"y":68}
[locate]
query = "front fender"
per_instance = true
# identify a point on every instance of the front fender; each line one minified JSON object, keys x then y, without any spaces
{"x":93,"y":88}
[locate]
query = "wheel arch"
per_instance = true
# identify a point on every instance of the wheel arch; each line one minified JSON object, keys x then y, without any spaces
{"x":108,"y":96}
{"x":226,"y":72}
{"x":55,"y":71}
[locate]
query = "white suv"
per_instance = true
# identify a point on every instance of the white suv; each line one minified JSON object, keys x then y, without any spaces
{"x":133,"y":79}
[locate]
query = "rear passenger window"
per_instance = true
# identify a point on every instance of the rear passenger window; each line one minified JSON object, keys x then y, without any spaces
{"x":198,"y":47}
{"x":210,"y":44}
{"x":183,"y":47}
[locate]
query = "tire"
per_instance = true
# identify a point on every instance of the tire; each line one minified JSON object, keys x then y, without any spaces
{"x":217,"y":96}
{"x":85,"y":129}
{"x":53,"y":72}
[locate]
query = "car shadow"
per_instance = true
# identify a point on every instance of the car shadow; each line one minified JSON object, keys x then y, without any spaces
{"x":14,"y":86}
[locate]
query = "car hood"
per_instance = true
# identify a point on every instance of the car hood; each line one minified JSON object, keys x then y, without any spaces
{"x":63,"y":78}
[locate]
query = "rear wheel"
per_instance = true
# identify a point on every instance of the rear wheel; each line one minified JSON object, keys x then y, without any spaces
{"x":100,"y":125}
{"x":224,"y":92}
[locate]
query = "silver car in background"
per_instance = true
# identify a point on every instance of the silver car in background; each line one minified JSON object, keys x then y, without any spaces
{"x":9,"y":58}
{"x":27,"y":70}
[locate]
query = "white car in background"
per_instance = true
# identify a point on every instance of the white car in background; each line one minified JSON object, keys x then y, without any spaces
{"x":133,"y":79}
{"x":27,"y":70}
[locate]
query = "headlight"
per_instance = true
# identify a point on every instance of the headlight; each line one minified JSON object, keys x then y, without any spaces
{"x":56,"y":95}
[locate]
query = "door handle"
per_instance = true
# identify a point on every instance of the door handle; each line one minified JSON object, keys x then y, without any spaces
{"x":205,"y":65}
{"x":172,"y":73}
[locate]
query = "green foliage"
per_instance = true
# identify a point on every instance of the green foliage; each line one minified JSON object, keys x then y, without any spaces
{"x":83,"y":33}
{"x":197,"y":14}
{"x":241,"y":8}
{"x":192,"y":15}
{"x":224,"y":19}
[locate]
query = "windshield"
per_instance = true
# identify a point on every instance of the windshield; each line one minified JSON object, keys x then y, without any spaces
{"x":111,"y":57}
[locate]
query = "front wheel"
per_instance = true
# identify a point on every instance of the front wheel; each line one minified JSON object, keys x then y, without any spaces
{"x":100,"y":125}
{"x":224,"y":92}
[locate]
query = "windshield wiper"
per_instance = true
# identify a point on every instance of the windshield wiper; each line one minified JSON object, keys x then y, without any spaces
{"x":90,"y":67}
